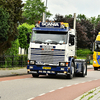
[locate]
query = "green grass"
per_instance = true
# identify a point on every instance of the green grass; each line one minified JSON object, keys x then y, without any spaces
{"x":14,"y":68}
{"x":84,"y":52}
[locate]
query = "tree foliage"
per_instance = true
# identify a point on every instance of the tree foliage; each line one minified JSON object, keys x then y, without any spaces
{"x":14,"y":49}
{"x":84,"y":29}
{"x":14,"y":8}
{"x":81,"y":17}
{"x":23,"y":30}
{"x":33,"y":11}
{"x":4,"y":27}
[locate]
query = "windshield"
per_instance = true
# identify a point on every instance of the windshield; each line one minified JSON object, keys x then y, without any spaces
{"x":97,"y":46}
{"x":49,"y":37}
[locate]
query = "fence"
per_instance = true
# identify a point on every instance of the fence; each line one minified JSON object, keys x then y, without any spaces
{"x":21,"y":60}
{"x":13,"y":61}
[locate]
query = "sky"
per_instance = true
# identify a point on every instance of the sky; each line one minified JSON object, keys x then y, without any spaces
{"x":90,"y":8}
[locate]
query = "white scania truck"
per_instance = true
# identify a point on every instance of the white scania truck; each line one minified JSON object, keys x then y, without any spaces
{"x":52,"y":50}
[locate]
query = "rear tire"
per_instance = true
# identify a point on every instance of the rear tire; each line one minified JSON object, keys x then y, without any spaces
{"x":35,"y":75}
{"x":84,"y":70}
{"x":95,"y":68}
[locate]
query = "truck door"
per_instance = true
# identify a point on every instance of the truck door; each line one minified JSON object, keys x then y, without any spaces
{"x":71,"y":45}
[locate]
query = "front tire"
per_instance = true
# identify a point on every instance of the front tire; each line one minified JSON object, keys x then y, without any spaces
{"x":72,"y":71}
{"x":95,"y":68}
{"x":35,"y":75}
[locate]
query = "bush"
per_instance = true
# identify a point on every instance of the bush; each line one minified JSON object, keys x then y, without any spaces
{"x":23,"y":30}
{"x":84,"y":52}
{"x":14,"y":49}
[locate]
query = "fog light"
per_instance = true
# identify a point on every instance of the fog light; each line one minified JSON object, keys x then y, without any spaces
{"x":65,"y":72}
{"x":44,"y":71}
{"x":53,"y":71}
{"x":40,"y":71}
{"x":62,"y":69}
{"x":28,"y":69}
{"x":48,"y":71}
{"x":31,"y":67}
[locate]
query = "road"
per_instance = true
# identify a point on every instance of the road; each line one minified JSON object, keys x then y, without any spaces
{"x":25,"y":87}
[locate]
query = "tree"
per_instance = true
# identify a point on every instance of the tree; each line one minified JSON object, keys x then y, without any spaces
{"x":81,"y":17}
{"x":80,"y":30}
{"x":14,"y":49}
{"x":68,"y":16}
{"x":89,"y":29}
{"x":23,"y":30}
{"x":14,"y":8}
{"x":4,"y":27}
{"x":33,"y":11}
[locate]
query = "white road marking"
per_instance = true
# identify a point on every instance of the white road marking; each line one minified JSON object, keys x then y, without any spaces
{"x":60,"y":87}
{"x":69,"y":85}
{"x":42,"y":94}
{"x":51,"y":90}
{"x":83,"y":82}
{"x":95,"y":79}
{"x":89,"y":80}
{"x":30,"y":98}
{"x":76,"y":83}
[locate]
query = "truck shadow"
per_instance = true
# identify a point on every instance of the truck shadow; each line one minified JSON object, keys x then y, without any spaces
{"x":54,"y":77}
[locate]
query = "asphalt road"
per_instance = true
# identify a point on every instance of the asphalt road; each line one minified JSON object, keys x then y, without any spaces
{"x":25,"y":87}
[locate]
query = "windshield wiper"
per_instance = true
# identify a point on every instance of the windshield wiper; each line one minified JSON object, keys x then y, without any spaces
{"x":54,"y":42}
{"x":37,"y":41}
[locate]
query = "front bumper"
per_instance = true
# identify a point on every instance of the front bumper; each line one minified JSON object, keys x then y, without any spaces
{"x":43,"y":70}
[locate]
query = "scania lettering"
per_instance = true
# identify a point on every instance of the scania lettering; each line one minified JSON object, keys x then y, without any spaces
{"x":52,"y":50}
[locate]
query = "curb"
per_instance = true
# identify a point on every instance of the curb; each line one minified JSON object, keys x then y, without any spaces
{"x":93,"y":94}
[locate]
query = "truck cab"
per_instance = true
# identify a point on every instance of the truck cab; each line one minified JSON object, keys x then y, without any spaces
{"x":96,"y":53}
{"x":52,"y":50}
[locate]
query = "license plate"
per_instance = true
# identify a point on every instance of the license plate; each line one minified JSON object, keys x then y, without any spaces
{"x":46,"y":67}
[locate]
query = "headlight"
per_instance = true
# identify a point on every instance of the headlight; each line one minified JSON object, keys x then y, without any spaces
{"x":94,"y":62}
{"x":32,"y":62}
{"x":63,"y":63}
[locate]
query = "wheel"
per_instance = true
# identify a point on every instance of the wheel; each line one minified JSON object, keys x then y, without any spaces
{"x":84,"y":70}
{"x":95,"y":68}
{"x":35,"y":75}
{"x":72,"y":71}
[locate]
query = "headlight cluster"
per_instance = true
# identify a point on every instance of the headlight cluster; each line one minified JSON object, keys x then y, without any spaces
{"x":63,"y":63}
{"x":31,"y":62}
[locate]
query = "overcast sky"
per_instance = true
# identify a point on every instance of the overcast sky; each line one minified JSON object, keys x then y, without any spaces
{"x":91,"y":8}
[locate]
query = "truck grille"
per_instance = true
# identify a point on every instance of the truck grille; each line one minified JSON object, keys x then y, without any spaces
{"x":47,"y":56}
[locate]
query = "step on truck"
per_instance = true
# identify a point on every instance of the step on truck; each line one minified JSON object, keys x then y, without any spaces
{"x":51,"y":51}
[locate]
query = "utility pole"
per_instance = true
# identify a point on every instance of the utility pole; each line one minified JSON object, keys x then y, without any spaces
{"x":44,"y":14}
{"x":74,"y":27}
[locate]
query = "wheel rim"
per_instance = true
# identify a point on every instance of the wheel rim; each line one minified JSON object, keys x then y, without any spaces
{"x":84,"y":69}
{"x":72,"y":70}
